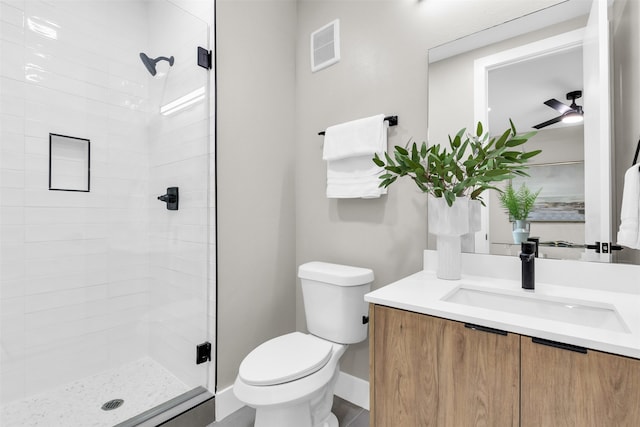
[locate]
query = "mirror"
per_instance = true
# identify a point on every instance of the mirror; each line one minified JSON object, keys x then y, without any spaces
{"x":509,"y":71}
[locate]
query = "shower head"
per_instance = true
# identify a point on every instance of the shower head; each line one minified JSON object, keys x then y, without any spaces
{"x":151,"y":63}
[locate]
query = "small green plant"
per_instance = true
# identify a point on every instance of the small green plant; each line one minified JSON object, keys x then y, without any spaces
{"x":469,"y":166}
{"x":518,"y":203}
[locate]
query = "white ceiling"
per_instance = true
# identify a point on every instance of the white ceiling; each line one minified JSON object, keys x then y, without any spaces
{"x":518,"y":91}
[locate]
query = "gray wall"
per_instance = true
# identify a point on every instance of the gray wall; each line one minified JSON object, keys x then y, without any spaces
{"x":272,"y":211}
{"x":255,"y":165}
{"x":383,"y":70}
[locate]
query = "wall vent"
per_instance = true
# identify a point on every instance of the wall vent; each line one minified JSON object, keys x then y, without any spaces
{"x":325,"y":46}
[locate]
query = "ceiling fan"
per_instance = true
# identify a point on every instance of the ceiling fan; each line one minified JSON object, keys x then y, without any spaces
{"x":568,"y":113}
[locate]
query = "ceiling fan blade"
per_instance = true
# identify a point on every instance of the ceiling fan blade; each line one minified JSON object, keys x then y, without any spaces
{"x":548,"y":122}
{"x":557,"y":105}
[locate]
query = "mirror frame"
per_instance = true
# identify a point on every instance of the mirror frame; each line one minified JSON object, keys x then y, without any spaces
{"x":482,"y":67}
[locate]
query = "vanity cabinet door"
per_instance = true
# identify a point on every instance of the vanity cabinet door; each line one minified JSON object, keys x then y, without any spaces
{"x":427,"y":371}
{"x":567,"y":388}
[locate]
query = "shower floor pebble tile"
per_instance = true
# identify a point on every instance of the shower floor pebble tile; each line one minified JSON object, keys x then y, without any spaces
{"x":142,"y":385}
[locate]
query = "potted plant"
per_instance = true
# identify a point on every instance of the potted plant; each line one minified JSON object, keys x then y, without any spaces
{"x":456,"y":177}
{"x":518,"y":204}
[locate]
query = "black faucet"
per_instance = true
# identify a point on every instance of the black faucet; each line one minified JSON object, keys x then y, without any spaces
{"x":528,"y":256}
{"x":535,"y":240}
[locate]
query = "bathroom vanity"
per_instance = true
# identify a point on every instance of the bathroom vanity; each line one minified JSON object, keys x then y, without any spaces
{"x":481,"y":351}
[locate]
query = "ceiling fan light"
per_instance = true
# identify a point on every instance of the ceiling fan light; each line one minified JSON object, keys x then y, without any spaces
{"x":572,"y":117}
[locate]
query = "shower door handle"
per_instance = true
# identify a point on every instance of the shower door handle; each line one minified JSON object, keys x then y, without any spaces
{"x":171,"y":198}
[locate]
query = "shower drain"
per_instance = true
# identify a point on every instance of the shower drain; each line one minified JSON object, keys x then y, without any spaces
{"x":112,"y":404}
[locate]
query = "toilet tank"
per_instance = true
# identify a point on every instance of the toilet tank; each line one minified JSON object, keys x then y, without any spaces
{"x":334,"y":302}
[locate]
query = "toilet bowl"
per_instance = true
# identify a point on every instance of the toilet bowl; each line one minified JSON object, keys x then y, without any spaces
{"x":290,"y":379}
{"x":290,"y":397}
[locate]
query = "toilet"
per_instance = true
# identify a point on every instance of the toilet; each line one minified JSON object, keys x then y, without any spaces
{"x":289,"y":379}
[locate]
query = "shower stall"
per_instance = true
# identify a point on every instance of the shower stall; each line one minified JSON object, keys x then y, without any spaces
{"x":107,"y":297}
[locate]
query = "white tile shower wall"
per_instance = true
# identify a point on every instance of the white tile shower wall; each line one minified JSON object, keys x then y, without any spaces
{"x":75,"y":274}
{"x":179,"y":156}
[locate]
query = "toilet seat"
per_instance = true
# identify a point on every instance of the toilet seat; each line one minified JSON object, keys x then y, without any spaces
{"x":284,"y":359}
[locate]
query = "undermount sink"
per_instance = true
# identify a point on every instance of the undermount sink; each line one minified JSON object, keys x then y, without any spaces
{"x":583,"y":313}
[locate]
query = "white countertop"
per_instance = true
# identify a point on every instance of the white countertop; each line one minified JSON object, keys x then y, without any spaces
{"x":423,"y":293}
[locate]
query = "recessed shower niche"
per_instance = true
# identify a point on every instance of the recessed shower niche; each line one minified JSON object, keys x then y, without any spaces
{"x":69,"y":163}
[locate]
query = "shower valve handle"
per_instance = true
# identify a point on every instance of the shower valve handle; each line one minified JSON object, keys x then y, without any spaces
{"x":167,"y":198}
{"x":171,"y":198}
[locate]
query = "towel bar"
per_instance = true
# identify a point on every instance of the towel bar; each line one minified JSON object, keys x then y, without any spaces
{"x":393,"y":121}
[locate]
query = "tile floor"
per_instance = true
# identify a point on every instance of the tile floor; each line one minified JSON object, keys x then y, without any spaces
{"x":348,"y":414}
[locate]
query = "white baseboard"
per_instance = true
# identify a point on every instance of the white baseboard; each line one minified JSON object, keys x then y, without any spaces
{"x":348,"y":387}
{"x":226,"y":403}
{"x":353,"y":389}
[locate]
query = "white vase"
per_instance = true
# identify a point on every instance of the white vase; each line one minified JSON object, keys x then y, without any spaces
{"x":468,"y":240}
{"x":448,"y":223}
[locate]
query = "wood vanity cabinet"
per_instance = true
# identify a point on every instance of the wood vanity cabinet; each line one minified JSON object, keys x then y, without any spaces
{"x":562,"y":387}
{"x":428,"y":371}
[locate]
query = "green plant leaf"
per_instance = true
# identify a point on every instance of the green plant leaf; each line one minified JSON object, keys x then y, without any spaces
{"x":458,"y":189}
{"x":415,"y":156}
{"x":449,"y":197}
{"x":503,"y":138}
{"x":422,"y":177}
{"x":475,"y":193}
{"x":461,"y":150}
{"x":530,"y":154}
{"x":423,"y":150}
{"x":401,"y":150}
{"x":456,"y":141}
{"x":470,"y":164}
{"x":437,"y":182}
{"x":529,"y":135}
{"x":387,"y":182}
{"x":390,"y":161}
{"x":422,"y":187}
{"x":496,"y":172}
{"x":518,"y":203}
{"x":511,"y":154}
{"x":514,"y":142}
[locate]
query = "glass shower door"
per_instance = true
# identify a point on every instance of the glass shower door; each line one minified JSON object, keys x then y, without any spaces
{"x":178,"y":130}
{"x":105,"y":293}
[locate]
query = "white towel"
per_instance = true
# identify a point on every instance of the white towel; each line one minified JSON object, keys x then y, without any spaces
{"x":629,"y":231}
{"x":349,"y":151}
{"x":355,"y":138}
{"x":355,"y":177}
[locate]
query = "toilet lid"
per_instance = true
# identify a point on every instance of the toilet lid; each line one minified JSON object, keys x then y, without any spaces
{"x":284,"y":359}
